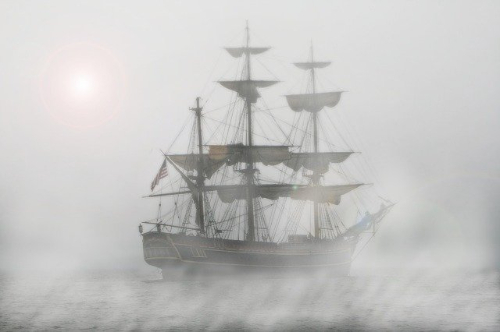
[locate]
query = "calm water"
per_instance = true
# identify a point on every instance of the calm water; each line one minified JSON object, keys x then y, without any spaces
{"x":132,"y":301}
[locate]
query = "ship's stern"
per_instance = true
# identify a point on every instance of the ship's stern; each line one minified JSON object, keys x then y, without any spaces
{"x":159,"y":250}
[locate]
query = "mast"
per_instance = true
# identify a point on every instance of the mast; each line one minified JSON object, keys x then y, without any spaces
{"x":313,"y":102}
{"x":200,"y":179}
{"x":315,"y":176}
{"x":249,"y":162}
{"x":247,"y":90}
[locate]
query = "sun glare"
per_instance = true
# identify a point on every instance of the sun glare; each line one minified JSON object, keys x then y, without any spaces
{"x":82,"y":85}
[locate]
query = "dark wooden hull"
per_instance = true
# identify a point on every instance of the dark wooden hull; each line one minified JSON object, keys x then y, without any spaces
{"x":179,"y":255}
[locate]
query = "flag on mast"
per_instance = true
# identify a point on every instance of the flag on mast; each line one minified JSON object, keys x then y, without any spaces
{"x":162,"y":172}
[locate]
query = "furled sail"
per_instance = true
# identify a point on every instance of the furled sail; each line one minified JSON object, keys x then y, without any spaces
{"x":237,"y":52}
{"x":319,"y":194}
{"x":247,"y":89}
{"x":189,"y":162}
{"x":318,"y":162}
{"x":234,"y":153}
{"x":274,"y":155}
{"x":311,"y":65}
{"x":231,"y":154}
{"x":313,"y":102}
{"x":323,"y":194}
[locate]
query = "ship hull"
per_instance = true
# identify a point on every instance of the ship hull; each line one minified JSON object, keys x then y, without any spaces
{"x":179,"y":255}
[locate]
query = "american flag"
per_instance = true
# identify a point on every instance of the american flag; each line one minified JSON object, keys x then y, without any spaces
{"x":161,"y":174}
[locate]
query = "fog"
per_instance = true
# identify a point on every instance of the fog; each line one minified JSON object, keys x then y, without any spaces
{"x":122,"y":302}
{"x":423,"y":80}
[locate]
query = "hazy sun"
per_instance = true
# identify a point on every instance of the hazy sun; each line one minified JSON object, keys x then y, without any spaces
{"x":82,"y":85}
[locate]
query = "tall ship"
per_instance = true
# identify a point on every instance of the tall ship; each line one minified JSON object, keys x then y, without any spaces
{"x":256,"y":193}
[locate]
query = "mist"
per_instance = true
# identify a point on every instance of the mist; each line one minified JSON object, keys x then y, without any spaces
{"x":422,"y":107}
{"x":422,"y":80}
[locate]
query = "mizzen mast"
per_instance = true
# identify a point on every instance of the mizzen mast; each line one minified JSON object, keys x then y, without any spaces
{"x":200,"y":179}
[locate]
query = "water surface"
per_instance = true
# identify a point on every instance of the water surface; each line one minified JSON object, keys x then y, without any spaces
{"x":131,"y":300}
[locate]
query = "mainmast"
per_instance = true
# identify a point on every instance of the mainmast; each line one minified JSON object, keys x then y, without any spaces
{"x":200,"y":179}
{"x":247,"y":90}
{"x":249,"y":171}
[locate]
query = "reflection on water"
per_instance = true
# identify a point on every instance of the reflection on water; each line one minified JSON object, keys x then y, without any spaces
{"x":133,"y":300}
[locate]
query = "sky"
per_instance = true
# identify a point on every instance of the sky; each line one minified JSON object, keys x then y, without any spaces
{"x":423,"y":80}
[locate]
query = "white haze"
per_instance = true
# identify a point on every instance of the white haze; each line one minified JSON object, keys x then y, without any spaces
{"x":122,"y":301}
{"x":423,"y":80}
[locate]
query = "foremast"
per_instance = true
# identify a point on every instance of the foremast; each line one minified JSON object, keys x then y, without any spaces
{"x":313,"y":103}
{"x":316,"y":176}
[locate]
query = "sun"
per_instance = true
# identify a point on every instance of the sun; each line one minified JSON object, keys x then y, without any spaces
{"x":82,"y":85}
